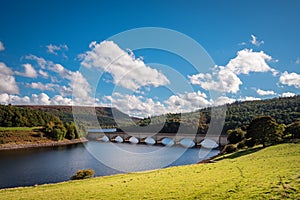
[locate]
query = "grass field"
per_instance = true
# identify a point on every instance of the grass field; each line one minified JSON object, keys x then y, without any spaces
{"x":19,"y":135}
{"x":270,"y":173}
{"x":17,"y":128}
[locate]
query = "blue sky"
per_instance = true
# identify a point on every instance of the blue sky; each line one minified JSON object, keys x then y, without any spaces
{"x":47,"y":54}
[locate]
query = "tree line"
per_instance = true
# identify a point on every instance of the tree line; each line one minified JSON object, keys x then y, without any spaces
{"x":261,"y":130}
{"x":53,"y":127}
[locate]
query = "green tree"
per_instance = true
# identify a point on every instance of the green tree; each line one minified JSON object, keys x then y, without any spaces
{"x":235,"y":136}
{"x":293,"y":130}
{"x":264,"y":130}
{"x":72,"y":132}
{"x":56,"y":131}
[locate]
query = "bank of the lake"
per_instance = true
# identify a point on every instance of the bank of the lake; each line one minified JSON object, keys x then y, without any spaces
{"x":270,"y":173}
{"x":30,"y":137}
{"x":40,"y":144}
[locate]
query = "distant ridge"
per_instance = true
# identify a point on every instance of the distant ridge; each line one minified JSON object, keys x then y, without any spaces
{"x":239,"y":114}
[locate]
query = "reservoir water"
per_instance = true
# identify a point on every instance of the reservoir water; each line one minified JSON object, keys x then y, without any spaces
{"x":26,"y":167}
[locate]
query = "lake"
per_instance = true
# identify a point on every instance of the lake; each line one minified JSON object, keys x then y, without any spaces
{"x":27,"y":167}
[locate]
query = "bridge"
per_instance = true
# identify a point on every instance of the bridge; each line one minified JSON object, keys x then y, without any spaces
{"x":221,"y":140}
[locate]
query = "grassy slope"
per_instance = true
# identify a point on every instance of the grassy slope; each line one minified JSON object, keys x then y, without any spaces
{"x":21,"y":135}
{"x":271,"y":173}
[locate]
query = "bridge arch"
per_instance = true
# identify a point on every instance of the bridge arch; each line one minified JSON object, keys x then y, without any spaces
{"x":117,"y":138}
{"x":148,"y":140}
{"x":132,"y":139}
{"x":209,"y":143}
{"x":167,"y":141}
{"x":187,"y":142}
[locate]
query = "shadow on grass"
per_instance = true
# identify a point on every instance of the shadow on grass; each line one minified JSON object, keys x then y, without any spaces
{"x":239,"y":153}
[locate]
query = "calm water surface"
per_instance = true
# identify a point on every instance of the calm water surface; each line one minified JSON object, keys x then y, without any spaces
{"x":55,"y":164}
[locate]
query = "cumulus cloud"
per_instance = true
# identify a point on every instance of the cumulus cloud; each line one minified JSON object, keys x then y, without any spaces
{"x":77,"y":82}
{"x":8,"y":82}
{"x":225,"y":79}
{"x":223,"y":100}
{"x":255,"y":41}
{"x":133,"y":105}
{"x":13,"y":99}
{"x":187,"y":102}
{"x":222,"y":80}
{"x":126,"y":70}
{"x":29,"y":71}
{"x":265,"y":92}
{"x":247,"y":98}
{"x":43,"y":73}
{"x":35,"y":99}
{"x":2,"y":46}
{"x":290,"y":79}
{"x":248,"y":61}
{"x":288,"y":94}
{"x":53,"y":49}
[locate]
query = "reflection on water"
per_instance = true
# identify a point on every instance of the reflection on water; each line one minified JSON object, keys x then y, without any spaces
{"x":55,"y":164}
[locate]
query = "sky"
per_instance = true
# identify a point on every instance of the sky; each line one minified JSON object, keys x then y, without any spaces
{"x":148,"y":57}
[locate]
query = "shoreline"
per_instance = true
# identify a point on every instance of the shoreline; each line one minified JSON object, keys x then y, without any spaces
{"x":14,"y":146}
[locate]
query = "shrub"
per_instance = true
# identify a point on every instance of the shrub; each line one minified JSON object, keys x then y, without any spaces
{"x":250,"y":143}
{"x":235,"y":136}
{"x":241,"y":144}
{"x":83,"y":174}
{"x":229,"y":148}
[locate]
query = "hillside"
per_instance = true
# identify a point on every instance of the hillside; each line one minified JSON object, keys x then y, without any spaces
{"x":65,"y":113}
{"x":270,"y":173}
{"x":239,"y":114}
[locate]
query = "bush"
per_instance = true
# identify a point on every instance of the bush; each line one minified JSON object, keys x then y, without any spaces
{"x":83,"y":174}
{"x":241,"y":144}
{"x":249,"y":143}
{"x":229,"y":148}
{"x":235,"y":136}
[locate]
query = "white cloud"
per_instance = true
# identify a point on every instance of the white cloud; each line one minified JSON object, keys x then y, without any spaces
{"x":187,"y":102}
{"x":41,"y":86}
{"x":2,"y":48}
{"x":126,"y":70}
{"x":41,"y":61}
{"x":247,"y":98}
{"x":256,"y":42}
{"x":77,"y":82}
{"x":223,"y":100}
{"x":40,"y":99}
{"x":290,"y":79}
{"x":137,"y":106}
{"x":288,"y":94}
{"x":29,"y":71}
{"x":225,"y":80}
{"x":265,"y":92}
{"x":242,"y":43}
{"x":36,"y":99}
{"x":297,"y":62}
{"x":59,"y":100}
{"x":43,"y":73}
{"x":140,"y":106}
{"x":54,"y":48}
{"x":248,"y":61}
{"x":8,"y":82}
{"x":13,"y":99}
